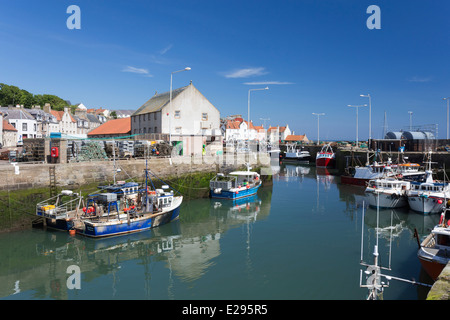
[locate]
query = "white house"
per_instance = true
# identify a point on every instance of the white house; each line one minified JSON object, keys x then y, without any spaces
{"x":238,"y":129}
{"x":276,"y":134}
{"x":22,"y":121}
{"x":190,"y":120}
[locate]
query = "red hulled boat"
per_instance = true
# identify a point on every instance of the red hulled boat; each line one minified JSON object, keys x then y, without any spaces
{"x":325,"y":158}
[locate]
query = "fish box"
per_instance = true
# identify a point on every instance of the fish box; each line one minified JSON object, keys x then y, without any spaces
{"x":107,"y":197}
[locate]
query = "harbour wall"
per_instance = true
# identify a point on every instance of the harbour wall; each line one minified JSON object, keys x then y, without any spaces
{"x":23,"y":176}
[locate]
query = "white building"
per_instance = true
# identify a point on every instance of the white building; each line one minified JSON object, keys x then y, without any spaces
{"x":190,"y":120}
{"x":20,"y":119}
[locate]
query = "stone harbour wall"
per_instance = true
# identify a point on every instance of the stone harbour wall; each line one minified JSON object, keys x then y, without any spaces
{"x":22,"y":176}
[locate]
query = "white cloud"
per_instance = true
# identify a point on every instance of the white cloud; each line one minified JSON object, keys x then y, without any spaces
{"x":419,"y":79}
{"x":137,"y":70}
{"x":267,"y":83}
{"x":164,"y":51}
{"x":246,"y":72}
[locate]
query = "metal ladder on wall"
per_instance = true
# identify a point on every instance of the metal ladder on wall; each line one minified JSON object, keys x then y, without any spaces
{"x":52,"y":175}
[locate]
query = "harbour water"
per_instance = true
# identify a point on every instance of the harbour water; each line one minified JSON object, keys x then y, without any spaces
{"x":300,"y":238}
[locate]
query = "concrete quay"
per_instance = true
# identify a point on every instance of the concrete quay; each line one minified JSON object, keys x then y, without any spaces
{"x":441,"y":288}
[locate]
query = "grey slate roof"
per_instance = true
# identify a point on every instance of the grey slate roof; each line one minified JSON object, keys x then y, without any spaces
{"x":16,"y":113}
{"x":158,"y":101}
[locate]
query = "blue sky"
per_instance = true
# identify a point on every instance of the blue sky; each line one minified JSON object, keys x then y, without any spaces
{"x":315,"y":56}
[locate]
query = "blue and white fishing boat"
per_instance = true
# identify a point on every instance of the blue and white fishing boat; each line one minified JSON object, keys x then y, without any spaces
{"x":235,"y":185}
{"x":61,"y":211}
{"x":110,"y":217}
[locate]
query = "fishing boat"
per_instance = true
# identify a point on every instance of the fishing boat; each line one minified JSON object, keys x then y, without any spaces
{"x":60,"y":211}
{"x":434,"y":250}
{"x":409,"y":171}
{"x":325,"y":158}
{"x":429,"y":196}
{"x":360,"y":176}
{"x":235,"y":185}
{"x":295,"y":155}
{"x":106,"y":216}
{"x":387,"y":193}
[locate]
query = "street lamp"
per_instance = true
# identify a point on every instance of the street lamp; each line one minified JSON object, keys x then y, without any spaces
{"x":318,"y":115}
{"x":357,"y":107}
{"x":370,"y":113}
{"x":170,"y":103}
{"x":266,"y":88}
{"x":447,"y":113}
{"x":410,"y":120}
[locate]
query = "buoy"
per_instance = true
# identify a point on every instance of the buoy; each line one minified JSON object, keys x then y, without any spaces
{"x":72,"y":232}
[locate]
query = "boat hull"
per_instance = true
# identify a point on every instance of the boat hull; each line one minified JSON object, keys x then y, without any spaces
{"x":426,"y":205}
{"x":386,"y":200}
{"x":59,"y":224}
{"x":148,"y":221}
{"x":432,"y":268}
{"x":233,"y":195}
{"x":354,"y":181}
{"x":325,"y":160}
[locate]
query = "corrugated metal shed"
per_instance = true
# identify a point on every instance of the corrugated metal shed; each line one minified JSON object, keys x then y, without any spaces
{"x":393,"y":135}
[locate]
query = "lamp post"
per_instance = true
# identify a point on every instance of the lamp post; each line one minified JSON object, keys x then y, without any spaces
{"x":318,"y":115}
{"x":447,"y":113}
{"x":410,"y":120}
{"x":357,"y":107}
{"x":170,"y":99}
{"x":266,"y":88}
{"x":370,"y":113}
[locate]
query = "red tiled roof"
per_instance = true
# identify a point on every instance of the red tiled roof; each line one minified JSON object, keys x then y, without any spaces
{"x":59,"y":115}
{"x":115,"y":126}
{"x":7,"y":126}
{"x":295,"y":137}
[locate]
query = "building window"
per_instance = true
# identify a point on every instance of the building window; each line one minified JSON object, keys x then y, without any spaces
{"x":204,"y":116}
{"x":154,"y":116}
{"x":177,"y":114}
{"x":156,"y":129}
{"x":24,"y":127}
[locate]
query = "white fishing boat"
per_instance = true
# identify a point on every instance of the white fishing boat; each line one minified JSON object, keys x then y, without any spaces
{"x":434,"y":250}
{"x":296,"y":155}
{"x":392,"y":192}
{"x":429,"y":196}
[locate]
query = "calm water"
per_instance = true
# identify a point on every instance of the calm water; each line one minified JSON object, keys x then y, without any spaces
{"x":299,"y":239}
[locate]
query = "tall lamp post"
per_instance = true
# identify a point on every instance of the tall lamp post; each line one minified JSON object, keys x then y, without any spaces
{"x":357,"y":107}
{"x":410,"y":120}
{"x":447,"y":113}
{"x":370,"y":113}
{"x":266,"y":88}
{"x":170,"y":102}
{"x":318,"y":115}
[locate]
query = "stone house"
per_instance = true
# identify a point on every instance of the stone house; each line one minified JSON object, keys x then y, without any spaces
{"x":191,"y":121}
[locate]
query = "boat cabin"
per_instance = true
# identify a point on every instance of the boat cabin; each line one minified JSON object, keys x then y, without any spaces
{"x":235,"y":179}
{"x":430,"y":187}
{"x":389,"y":184}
